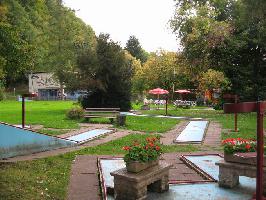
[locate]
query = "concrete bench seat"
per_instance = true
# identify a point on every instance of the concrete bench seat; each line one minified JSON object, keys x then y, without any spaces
{"x":134,"y":186}
{"x":229,"y":173}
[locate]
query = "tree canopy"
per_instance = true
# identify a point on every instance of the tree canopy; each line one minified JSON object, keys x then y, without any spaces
{"x":109,"y":77}
{"x":134,"y":48}
{"x":39,"y":35}
{"x":228,"y":36}
{"x":162,"y":69}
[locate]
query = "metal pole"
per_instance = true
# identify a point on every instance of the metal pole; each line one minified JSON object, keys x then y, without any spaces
{"x":260,"y":151}
{"x":23,"y":111}
{"x":166,"y":102}
{"x":236,"y":115}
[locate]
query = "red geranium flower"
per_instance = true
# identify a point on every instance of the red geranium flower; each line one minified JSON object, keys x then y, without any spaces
{"x":248,"y":146}
{"x":126,"y":148}
{"x":151,"y":144}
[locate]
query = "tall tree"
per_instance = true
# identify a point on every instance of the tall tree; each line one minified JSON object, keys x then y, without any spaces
{"x":37,"y":35}
{"x":110,"y":82}
{"x":17,"y":52}
{"x":134,"y":48}
{"x":228,"y":36}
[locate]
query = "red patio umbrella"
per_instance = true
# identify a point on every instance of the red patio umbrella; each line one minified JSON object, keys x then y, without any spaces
{"x":158,"y":91}
{"x":182,"y":92}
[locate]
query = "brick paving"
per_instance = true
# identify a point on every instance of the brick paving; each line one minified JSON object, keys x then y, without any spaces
{"x":84,"y":184}
{"x":213,"y":135}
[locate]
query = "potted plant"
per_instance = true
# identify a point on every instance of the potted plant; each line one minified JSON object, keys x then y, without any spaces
{"x":142,"y":155}
{"x":240,"y":150}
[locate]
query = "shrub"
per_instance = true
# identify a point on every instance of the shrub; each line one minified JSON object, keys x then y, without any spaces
{"x":75,"y":113}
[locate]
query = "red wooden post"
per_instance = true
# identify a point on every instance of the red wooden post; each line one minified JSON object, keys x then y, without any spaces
{"x":258,"y":107}
{"x":235,"y":115}
{"x":23,"y":111}
{"x":260,"y":151}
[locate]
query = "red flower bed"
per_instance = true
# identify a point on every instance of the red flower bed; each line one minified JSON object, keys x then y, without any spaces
{"x":232,"y":145}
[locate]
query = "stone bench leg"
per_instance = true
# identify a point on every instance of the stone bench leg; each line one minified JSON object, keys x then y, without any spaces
{"x":135,"y":192}
{"x":228,"y":178}
{"x":160,"y":185}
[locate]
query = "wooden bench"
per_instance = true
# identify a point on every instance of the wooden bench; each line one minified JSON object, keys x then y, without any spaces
{"x":110,"y":113}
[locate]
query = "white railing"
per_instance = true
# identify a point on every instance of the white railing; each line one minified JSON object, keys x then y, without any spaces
{"x":180,"y":103}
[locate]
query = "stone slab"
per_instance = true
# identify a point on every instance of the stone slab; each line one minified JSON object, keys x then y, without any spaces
{"x":193,"y":133}
{"x":89,"y":135}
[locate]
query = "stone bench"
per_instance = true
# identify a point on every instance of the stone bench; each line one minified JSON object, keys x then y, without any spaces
{"x":134,"y":186}
{"x":229,"y":173}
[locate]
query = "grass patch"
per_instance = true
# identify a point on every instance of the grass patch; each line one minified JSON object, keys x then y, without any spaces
{"x":40,"y":179}
{"x":146,"y":124}
{"x":150,"y":124}
{"x":48,"y":178}
{"x":50,"y":114}
{"x":53,"y":132}
{"x":115,"y":147}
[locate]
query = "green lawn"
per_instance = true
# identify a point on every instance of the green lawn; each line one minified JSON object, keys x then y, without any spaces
{"x":50,"y":114}
{"x":48,"y":178}
{"x":150,"y":124}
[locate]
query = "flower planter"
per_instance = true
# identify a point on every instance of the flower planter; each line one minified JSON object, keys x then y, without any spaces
{"x":135,"y":166}
{"x":249,"y":158}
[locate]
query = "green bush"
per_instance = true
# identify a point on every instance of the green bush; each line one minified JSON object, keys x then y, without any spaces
{"x":75,"y":113}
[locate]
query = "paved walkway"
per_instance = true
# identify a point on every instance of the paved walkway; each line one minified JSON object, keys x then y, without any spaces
{"x":169,"y":137}
{"x":84,"y":184}
{"x":212,"y":137}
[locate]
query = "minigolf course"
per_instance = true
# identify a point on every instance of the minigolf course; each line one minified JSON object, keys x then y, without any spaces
{"x":192,"y":190}
{"x":16,"y":141}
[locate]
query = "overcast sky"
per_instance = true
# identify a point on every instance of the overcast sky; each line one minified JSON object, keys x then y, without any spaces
{"x":146,"y":19}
